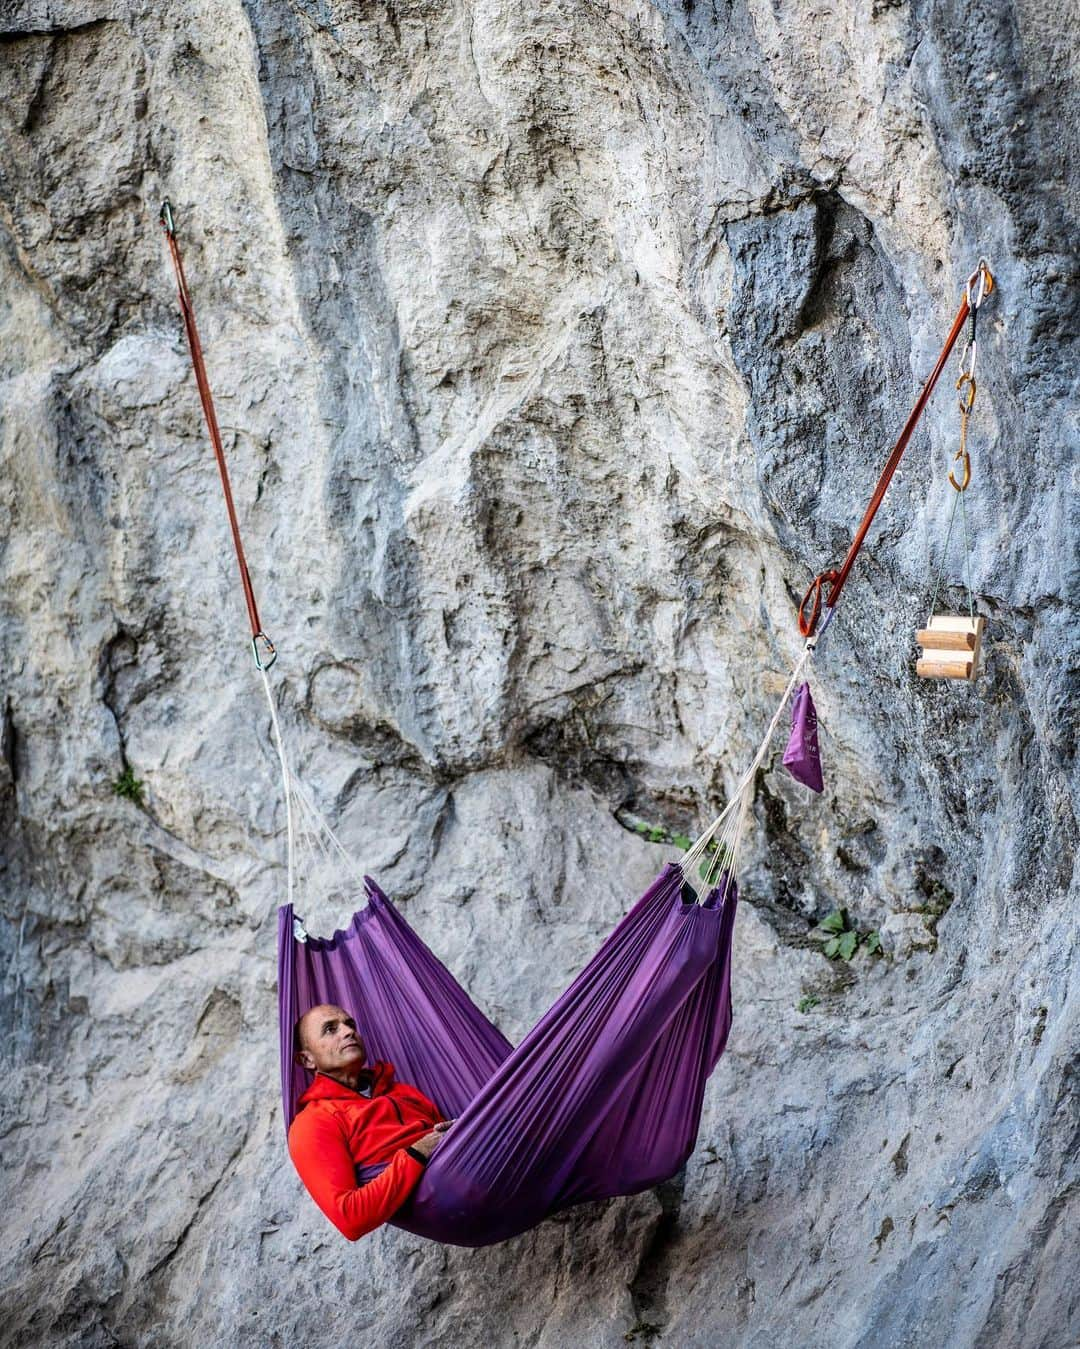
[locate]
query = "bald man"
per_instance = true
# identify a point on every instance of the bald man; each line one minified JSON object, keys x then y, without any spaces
{"x":360,"y":1140}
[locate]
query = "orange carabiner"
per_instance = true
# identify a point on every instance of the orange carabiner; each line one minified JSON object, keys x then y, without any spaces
{"x":965,"y":387}
{"x":813,"y":597}
{"x":965,"y":459}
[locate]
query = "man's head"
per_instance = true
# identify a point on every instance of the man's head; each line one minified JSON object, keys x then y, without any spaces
{"x":326,"y":1040}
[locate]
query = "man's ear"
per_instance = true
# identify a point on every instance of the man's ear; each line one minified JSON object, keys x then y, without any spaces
{"x":304,"y":1059}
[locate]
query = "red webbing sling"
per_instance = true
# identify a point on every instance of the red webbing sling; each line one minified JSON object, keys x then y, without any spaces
{"x":835,"y":579}
{"x":265,"y":656}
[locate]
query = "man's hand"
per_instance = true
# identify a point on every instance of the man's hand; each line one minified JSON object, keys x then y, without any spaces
{"x":427,"y":1145}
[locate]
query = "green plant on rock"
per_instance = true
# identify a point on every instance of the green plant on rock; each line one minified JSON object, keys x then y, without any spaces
{"x":807,"y":1002}
{"x":842,"y":940}
{"x":938,"y":901}
{"x":715,"y":862}
{"x":645,"y":1332}
{"x":655,"y":833}
{"x":651,"y":833}
{"x":714,"y":859}
{"x":128,"y":786}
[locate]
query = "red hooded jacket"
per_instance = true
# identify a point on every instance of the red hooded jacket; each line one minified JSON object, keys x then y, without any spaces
{"x":336,"y":1130}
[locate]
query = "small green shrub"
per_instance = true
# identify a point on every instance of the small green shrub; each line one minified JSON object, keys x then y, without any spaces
{"x":713,"y":862}
{"x":716,"y":860}
{"x":656,"y":833}
{"x":842,"y":940}
{"x":645,"y":1332}
{"x":939,"y":900}
{"x":807,"y":1002}
{"x":129,"y":787}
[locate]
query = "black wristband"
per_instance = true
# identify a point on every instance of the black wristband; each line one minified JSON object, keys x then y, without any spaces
{"x":418,"y":1156}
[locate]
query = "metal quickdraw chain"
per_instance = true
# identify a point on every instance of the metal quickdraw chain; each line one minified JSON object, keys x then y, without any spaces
{"x":966,"y":389}
{"x":965,"y":384}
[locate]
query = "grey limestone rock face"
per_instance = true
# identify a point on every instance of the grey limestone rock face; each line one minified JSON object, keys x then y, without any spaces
{"x":556,"y":346}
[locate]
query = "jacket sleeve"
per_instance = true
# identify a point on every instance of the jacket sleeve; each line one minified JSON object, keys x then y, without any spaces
{"x":322,"y":1158}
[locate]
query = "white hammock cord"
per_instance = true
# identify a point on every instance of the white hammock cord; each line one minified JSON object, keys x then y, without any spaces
{"x":319,"y":856}
{"x":285,"y":781}
{"x":732,"y":819}
{"x":324,"y":833}
{"x":314,"y":829}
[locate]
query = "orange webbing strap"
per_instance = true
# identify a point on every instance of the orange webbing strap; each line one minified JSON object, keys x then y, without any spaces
{"x":835,"y":579}
{"x":265,"y":654}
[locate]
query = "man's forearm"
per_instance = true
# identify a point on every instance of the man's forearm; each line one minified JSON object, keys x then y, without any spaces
{"x":327,"y":1170}
{"x":362,"y":1209}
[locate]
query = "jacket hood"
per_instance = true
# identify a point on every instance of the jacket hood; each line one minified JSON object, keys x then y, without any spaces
{"x":324,"y":1088}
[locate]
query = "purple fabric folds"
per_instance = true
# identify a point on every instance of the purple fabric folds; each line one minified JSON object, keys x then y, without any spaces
{"x":802,"y":758}
{"x":602,"y":1097}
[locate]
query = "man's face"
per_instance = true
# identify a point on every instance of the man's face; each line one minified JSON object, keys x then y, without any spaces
{"x":330,"y":1042}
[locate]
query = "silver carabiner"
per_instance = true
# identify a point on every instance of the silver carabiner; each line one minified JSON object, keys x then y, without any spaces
{"x":265,"y":658}
{"x":967,"y":368}
{"x":985,"y":278}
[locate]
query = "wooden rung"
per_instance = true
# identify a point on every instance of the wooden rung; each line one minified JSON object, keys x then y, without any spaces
{"x":943,"y":669}
{"x":955,"y":623}
{"x":936,"y":640}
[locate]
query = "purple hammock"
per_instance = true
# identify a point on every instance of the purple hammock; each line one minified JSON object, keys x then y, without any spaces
{"x":602,"y":1097}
